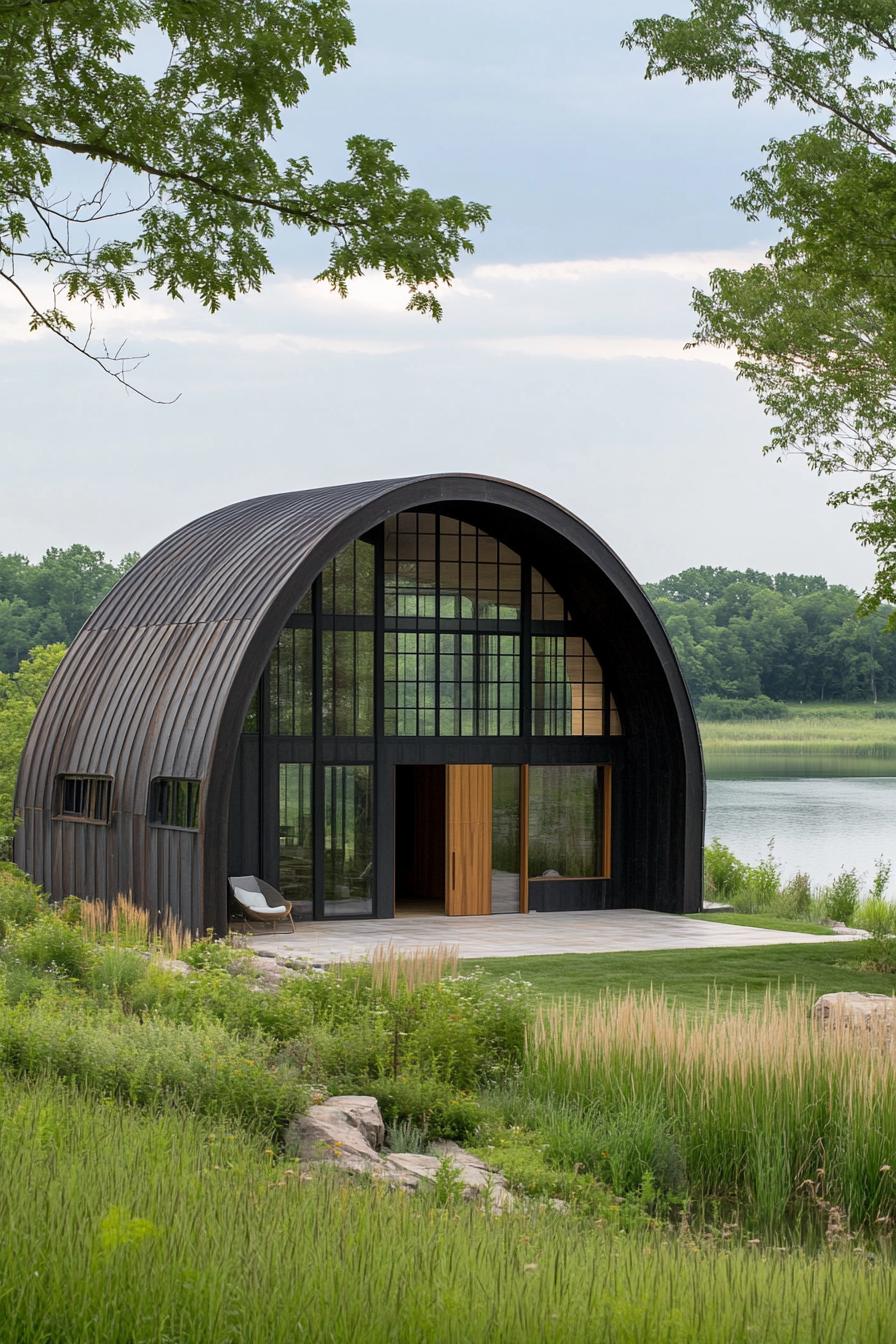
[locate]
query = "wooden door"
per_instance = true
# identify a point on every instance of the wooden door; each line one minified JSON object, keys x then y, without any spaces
{"x":468,"y":835}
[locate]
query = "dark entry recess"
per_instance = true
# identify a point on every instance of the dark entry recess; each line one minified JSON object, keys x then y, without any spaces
{"x":419,"y":839}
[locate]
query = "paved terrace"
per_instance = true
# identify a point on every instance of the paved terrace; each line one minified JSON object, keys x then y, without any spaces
{"x":533,"y":935}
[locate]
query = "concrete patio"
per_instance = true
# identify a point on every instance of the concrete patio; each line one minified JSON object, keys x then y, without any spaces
{"x":531,"y":935}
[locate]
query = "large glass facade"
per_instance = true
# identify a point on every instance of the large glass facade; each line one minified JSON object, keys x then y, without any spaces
{"x":426,"y":628}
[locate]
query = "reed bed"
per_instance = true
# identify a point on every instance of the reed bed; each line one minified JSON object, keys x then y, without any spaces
{"x":116,"y":1225}
{"x":395,"y":968}
{"x":129,"y":925}
{"x":763,"y":1107}
{"x":844,"y":730}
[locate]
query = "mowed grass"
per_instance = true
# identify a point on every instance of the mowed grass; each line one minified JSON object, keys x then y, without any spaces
{"x":776,"y":922}
{"x":117,"y":1226}
{"x":823,"y":729}
{"x":691,"y":976}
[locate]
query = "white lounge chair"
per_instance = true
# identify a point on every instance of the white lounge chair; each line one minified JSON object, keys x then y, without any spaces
{"x":260,"y":901}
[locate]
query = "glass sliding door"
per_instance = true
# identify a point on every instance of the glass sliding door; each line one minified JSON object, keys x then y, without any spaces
{"x":296,"y":849}
{"x":505,"y":840}
{"x":348,"y":840}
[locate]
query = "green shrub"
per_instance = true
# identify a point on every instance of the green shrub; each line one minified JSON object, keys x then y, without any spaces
{"x":841,"y":898}
{"x":70,"y":911}
{"x":115,"y":973}
{"x":794,"y":900}
{"x":207,"y":954}
{"x":725,"y":874}
{"x":440,"y":1112}
{"x":151,"y":1063}
{"x":20,"y":983}
{"x":21,"y":902}
{"x":50,"y":945}
{"x":761,"y":889}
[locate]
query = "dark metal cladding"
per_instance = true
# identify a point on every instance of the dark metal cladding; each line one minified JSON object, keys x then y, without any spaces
{"x":159,"y":680}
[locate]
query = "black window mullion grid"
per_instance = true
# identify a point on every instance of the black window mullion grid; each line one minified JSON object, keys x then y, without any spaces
{"x":525,"y":725}
{"x":317,"y":793}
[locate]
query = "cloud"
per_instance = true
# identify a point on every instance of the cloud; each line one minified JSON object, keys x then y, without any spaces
{"x":285,"y":342}
{"x":584,"y":309}
{"x":603,"y":348}
{"x":689,"y":266}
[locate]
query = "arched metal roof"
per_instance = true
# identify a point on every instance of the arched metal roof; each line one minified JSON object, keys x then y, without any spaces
{"x":158,"y":681}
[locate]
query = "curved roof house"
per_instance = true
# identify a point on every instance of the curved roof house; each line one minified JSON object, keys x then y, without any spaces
{"x":438,"y":693}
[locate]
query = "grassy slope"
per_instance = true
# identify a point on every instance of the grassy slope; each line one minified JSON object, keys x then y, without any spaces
{"x":690,"y":975}
{"x":764,"y":922}
{"x":118,"y":1226}
{"x":849,"y":729}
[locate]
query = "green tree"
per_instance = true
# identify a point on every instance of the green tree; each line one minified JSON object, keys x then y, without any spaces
{"x":814,"y":325}
{"x":48,"y":602}
{"x":20,"y":695}
{"x":176,"y":104}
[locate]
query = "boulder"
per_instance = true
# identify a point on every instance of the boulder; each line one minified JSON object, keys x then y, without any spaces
{"x":870,"y":1011}
{"x":348,"y":1133}
{"x":174,"y":966}
{"x":332,"y":1133}
{"x":477,"y":1178}
{"x":409,"y":1169}
{"x":363,"y":1113}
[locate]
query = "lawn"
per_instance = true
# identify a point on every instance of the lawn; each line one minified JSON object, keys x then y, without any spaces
{"x":690,"y":975}
{"x":777,"y":922}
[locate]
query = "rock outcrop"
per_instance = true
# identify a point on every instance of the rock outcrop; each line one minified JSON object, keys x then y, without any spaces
{"x":348,"y":1133}
{"x":873,"y":1012}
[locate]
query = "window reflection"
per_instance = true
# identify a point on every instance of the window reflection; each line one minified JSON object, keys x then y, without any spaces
{"x":348,"y":840}
{"x":566,"y":823}
{"x":347,"y":682}
{"x":290,"y":684}
{"x":567,"y":687}
{"x":296,"y":842}
{"x":505,"y":839}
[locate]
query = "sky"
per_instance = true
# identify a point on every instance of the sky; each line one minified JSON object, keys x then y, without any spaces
{"x":559,"y":362}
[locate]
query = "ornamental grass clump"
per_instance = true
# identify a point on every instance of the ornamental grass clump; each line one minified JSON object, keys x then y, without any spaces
{"x":129,"y":925}
{"x":765,"y":1108}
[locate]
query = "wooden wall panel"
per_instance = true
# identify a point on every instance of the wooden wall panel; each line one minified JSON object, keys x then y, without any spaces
{"x":468,"y":832}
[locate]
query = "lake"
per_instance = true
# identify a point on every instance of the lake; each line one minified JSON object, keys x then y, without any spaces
{"x":824,"y":813}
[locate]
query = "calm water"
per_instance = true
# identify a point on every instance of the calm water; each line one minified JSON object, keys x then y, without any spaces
{"x":823,"y":815}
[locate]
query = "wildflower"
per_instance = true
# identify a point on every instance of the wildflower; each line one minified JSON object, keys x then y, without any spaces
{"x":886,"y":1167}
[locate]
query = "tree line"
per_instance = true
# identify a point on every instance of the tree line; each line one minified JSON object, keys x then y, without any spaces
{"x":739,"y":634}
{"x":743,"y":634}
{"x":48,"y":602}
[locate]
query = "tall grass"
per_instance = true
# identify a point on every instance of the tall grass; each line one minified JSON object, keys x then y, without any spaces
{"x":852,"y":730}
{"x":129,"y":925}
{"x":152,"y":1063}
{"x":118,"y":1226}
{"x":763,"y":1107}
{"x":394,"y":968}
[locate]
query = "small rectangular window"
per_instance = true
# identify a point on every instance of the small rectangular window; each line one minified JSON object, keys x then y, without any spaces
{"x":175,"y":802}
{"x":84,"y":797}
